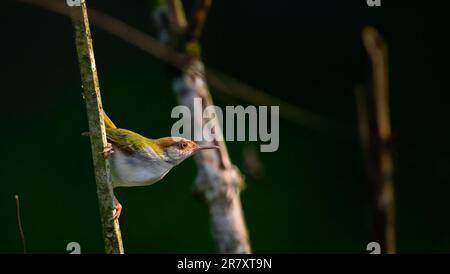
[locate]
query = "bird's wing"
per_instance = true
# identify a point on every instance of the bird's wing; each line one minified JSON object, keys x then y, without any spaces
{"x":126,"y":140}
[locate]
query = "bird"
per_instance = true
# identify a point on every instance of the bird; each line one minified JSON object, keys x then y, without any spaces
{"x":136,"y":160}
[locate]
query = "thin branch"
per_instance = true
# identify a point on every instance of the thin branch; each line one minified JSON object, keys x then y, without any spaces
{"x":177,"y":18}
{"x":376,"y":139}
{"x":197,"y":20}
{"x":227,"y":85}
{"x":218,"y":180}
{"x":220,"y":83}
{"x":120,"y":29}
{"x":195,"y":28}
{"x":19,"y":223}
{"x":91,"y":93}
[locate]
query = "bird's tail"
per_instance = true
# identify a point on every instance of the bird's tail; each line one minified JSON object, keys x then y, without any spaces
{"x":108,"y":122}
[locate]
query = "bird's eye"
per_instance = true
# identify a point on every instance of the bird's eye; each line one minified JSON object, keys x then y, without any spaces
{"x":184,"y":145}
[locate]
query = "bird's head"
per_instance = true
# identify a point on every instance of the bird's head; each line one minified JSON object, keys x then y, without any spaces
{"x":177,"y":149}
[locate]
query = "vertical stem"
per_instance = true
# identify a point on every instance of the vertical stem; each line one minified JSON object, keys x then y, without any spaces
{"x":376,"y":138}
{"x":91,"y":93}
{"x":19,"y":223}
{"x":177,"y":18}
{"x":218,"y":180}
{"x":198,"y":19}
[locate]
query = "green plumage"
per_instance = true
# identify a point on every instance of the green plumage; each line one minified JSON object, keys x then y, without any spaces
{"x":126,"y":140}
{"x":130,"y":141}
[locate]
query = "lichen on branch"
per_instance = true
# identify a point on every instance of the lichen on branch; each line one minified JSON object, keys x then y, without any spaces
{"x":91,"y":94}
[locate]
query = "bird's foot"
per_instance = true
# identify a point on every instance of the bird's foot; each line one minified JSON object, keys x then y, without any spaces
{"x":108,"y":150}
{"x":117,"y":209}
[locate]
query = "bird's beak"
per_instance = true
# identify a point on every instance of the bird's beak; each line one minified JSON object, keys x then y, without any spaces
{"x":201,"y":147}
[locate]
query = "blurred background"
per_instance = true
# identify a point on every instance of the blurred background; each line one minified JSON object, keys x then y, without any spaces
{"x":309,"y":196}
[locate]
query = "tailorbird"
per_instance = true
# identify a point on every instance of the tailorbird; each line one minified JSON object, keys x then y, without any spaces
{"x":139,"y":161}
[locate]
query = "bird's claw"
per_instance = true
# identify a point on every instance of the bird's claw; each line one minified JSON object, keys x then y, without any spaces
{"x":117,"y":210}
{"x":108,"y":150}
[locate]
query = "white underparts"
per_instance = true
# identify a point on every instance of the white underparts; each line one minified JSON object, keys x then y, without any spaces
{"x":137,"y":169}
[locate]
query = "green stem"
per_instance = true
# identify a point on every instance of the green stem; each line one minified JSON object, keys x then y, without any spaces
{"x":91,"y":93}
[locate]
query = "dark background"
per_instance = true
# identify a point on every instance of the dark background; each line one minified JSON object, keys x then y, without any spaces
{"x":313,"y":196}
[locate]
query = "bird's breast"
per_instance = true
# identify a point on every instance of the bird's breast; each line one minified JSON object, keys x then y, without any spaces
{"x":137,"y":169}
